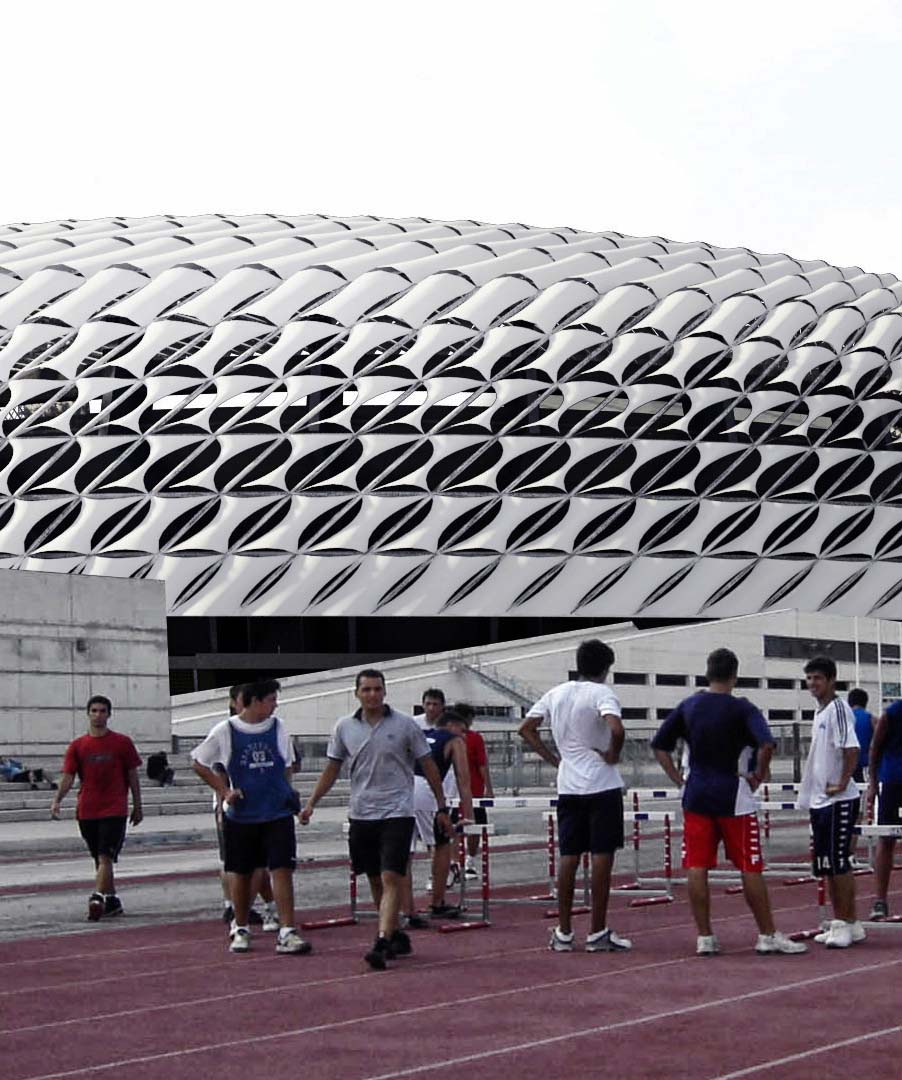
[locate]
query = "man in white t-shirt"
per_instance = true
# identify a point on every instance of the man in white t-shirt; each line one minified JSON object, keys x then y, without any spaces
{"x":831,"y":797}
{"x":585,"y":723}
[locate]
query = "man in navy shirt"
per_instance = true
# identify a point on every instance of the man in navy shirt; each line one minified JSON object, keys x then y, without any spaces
{"x":864,"y":729}
{"x":886,"y":769}
{"x":724,"y":733}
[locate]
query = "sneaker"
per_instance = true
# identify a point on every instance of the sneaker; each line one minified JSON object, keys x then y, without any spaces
{"x":379,"y":954}
{"x":453,"y":875}
{"x":607,"y":941}
{"x":112,"y":906}
{"x":777,"y":942}
{"x":559,"y":942}
{"x":240,"y":939}
{"x":271,"y":921}
{"x":839,"y":936}
{"x":254,"y":918}
{"x":706,"y":945}
{"x":290,"y":941}
{"x":444,"y":911}
{"x":879,"y":911}
{"x":471,"y":873}
{"x":400,"y":943}
{"x":858,"y":932}
{"x":417,"y":922}
{"x":228,"y":913}
{"x":821,"y":937}
{"x":96,"y":907}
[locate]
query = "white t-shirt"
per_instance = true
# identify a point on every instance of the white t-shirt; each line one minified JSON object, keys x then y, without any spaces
{"x":832,"y":731}
{"x":217,"y":747}
{"x":575,"y":711}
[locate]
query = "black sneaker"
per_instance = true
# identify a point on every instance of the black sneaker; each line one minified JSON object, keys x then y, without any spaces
{"x":879,"y":911}
{"x":112,"y":906}
{"x":400,"y":944}
{"x":379,"y":954}
{"x":254,"y":918}
{"x":228,"y":913}
{"x":96,"y":907}
{"x":444,"y":911}
{"x":417,"y":922}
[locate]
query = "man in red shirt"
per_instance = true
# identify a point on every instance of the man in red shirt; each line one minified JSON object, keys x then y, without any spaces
{"x":106,"y":763}
{"x":480,"y":782}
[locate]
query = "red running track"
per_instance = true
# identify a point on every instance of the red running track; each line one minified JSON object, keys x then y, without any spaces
{"x":149,"y":1002}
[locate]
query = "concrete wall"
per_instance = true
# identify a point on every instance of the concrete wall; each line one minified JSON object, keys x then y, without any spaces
{"x":526,"y":669}
{"x":64,"y":637}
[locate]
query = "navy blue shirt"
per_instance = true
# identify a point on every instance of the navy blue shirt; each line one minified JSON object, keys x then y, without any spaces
{"x":438,"y":739}
{"x":257,"y":767}
{"x":864,"y":729}
{"x":722,"y":733}
{"x":891,"y":762}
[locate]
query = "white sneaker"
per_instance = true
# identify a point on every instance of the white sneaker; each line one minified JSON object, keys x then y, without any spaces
{"x":858,"y":933}
{"x":607,"y":941}
{"x":240,"y":939}
{"x":559,"y":942}
{"x":290,"y":941}
{"x":767,"y":944}
{"x":839,"y":935}
{"x":470,"y":871}
{"x":706,"y":945}
{"x":271,"y":921}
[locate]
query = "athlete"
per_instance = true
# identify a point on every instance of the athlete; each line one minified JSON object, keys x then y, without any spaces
{"x":886,"y":773}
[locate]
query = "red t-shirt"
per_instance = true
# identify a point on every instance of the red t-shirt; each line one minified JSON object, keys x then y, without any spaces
{"x":102,"y":764}
{"x":476,"y":759}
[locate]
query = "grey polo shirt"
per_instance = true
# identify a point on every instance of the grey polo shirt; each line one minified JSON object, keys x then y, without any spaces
{"x":380,"y":762}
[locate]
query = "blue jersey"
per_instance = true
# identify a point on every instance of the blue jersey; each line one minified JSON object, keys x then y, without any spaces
{"x":438,"y":739}
{"x":864,"y":729}
{"x":722,"y":733}
{"x":257,"y":767}
{"x":891,"y":762}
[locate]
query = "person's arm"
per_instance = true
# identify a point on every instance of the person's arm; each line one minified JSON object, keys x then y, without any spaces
{"x":762,"y":766}
{"x":326,"y":779}
{"x":485,"y":773}
{"x":665,"y":760}
{"x":878,"y":745}
{"x":434,"y":780}
{"x":618,"y":735}
{"x":218,"y":781}
{"x":65,"y":786}
{"x":529,"y":733}
{"x":134,"y":783}
{"x":849,"y":764}
{"x":457,"y":749}
{"x":844,"y":739}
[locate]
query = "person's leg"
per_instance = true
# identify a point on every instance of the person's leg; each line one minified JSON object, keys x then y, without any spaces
{"x":473,"y":841}
{"x":407,"y":902}
{"x":842,"y":896}
{"x":601,"y":890}
{"x":566,"y":879}
{"x":104,"y":882}
{"x":390,"y":903}
{"x":883,"y":865}
{"x":240,"y":891}
{"x":699,"y":898}
{"x":375,"y":881}
{"x":282,"y":890}
{"x":262,"y":886}
{"x":754,"y":889}
{"x":441,"y":861}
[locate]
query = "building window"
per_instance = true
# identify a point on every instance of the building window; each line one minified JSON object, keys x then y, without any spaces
{"x":781,"y":714}
{"x":662,"y":714}
{"x":670,"y":680}
{"x":748,"y":682}
{"x":807,"y":714}
{"x":631,"y":678}
{"x":791,"y":648}
{"x":781,"y":684}
{"x":634,"y":714}
{"x":701,"y":680}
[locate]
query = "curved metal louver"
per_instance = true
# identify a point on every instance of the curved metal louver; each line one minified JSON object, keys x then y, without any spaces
{"x":315,"y":415}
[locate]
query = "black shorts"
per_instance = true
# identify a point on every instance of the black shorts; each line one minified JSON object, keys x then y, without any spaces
{"x":890,"y":803}
{"x":104,"y":836}
{"x":831,"y":831}
{"x":591,"y":823}
{"x":380,"y":845}
{"x":248,"y":845}
{"x":480,"y":815}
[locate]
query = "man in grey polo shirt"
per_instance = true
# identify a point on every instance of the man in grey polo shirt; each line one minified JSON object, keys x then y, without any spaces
{"x":381,"y":746}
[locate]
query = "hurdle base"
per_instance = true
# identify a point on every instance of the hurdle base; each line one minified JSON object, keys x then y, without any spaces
{"x":327,"y":924}
{"x":732,"y":890}
{"x":650,"y":901}
{"x":471,"y":924}
{"x":581,"y":909}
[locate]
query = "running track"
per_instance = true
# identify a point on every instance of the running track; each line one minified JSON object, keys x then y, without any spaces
{"x":114,"y":1002}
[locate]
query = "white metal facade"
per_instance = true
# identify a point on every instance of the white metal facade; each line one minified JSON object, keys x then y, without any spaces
{"x":357,"y":416}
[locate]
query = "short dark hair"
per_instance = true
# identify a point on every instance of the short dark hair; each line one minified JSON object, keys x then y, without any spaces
{"x":449,"y":716}
{"x":235,"y":695}
{"x":722,"y":664}
{"x":258,"y":690}
{"x":465,"y":711}
{"x":435,"y":693}
{"x":99,"y":699}
{"x":858,"y":698}
{"x":368,"y":673}
{"x":821,"y":665}
{"x":594,"y":658}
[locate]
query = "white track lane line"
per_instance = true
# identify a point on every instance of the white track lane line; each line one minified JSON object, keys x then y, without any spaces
{"x":467,"y":1059}
{"x":826,"y":1048}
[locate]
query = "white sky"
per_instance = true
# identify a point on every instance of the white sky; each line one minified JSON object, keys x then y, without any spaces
{"x":767,"y":124}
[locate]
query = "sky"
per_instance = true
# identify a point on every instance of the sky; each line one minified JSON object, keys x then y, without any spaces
{"x":766,"y":124}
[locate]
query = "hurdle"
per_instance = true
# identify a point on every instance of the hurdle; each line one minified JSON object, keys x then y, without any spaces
{"x":484,"y":831}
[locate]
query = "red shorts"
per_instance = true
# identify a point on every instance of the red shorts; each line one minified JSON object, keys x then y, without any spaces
{"x":741,"y":840}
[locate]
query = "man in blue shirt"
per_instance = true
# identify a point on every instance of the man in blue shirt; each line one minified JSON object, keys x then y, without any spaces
{"x":864,"y":729}
{"x":886,"y":770}
{"x":730,"y":747}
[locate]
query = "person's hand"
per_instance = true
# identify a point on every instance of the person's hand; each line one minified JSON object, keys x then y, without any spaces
{"x":55,"y":809}
{"x":835,"y":789}
{"x":137,"y":815}
{"x":305,"y":815}
{"x":443,"y":818}
{"x":754,"y":782}
{"x":871,"y":797}
{"x":232,"y":796}
{"x":610,"y":757}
